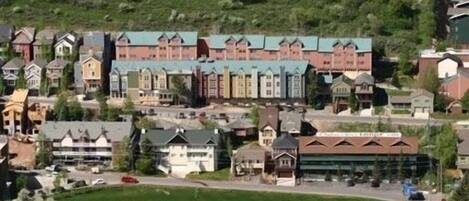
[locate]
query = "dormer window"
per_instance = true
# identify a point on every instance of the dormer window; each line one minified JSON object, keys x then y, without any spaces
{"x":315,"y":143}
{"x":343,"y":143}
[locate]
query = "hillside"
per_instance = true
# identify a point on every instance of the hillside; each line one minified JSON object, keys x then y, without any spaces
{"x":393,"y":23}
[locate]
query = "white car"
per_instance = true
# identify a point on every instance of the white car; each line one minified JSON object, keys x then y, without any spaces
{"x":98,"y":182}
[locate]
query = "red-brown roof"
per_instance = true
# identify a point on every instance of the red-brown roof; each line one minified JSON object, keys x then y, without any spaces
{"x":357,"y":145}
{"x":269,"y":116}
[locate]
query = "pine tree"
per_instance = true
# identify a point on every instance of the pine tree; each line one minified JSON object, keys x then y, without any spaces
{"x":2,"y":85}
{"x":66,"y":78}
{"x":180,"y":90}
{"x":376,"y":168}
{"x":352,"y":102}
{"x":60,"y":103}
{"x":123,"y":160}
{"x":129,"y":107}
{"x":339,"y":173}
{"x":311,"y":88}
{"x":395,"y":79}
{"x":75,"y":110}
{"x":21,"y":80}
{"x":389,"y":169}
{"x":462,"y":191}
{"x":44,"y":85}
{"x":400,"y":166}
{"x":43,"y":153}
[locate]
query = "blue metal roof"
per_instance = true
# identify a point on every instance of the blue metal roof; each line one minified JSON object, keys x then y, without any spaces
{"x":264,"y":42}
{"x":291,"y":66}
{"x":362,"y":44}
{"x":151,"y":38}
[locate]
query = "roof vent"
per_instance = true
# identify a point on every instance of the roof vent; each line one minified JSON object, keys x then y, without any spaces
{"x":216,"y":131}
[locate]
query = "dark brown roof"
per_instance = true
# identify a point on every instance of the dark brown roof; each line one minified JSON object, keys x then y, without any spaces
{"x":357,"y":145}
{"x":268,"y":116}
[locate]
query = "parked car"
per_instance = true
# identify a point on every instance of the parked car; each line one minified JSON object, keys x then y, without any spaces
{"x":129,"y":180}
{"x":375,"y":183}
{"x":350,"y":182}
{"x":78,"y":184}
{"x":53,"y":168}
{"x":416,"y":196}
{"x":192,"y":115}
{"x":95,"y":170}
{"x":98,"y":181}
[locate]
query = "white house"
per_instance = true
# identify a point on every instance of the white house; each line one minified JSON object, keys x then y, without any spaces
{"x":65,"y":44}
{"x":179,"y":152}
{"x":81,"y":142}
{"x":448,"y":66}
{"x":32,"y":73}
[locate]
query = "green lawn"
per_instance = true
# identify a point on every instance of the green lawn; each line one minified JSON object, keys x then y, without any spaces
{"x":400,"y":112}
{"x":219,"y":175}
{"x":163,"y":193}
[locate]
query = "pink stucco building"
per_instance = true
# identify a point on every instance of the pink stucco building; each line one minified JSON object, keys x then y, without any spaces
{"x":156,"y":46}
{"x":455,"y":86}
{"x":351,"y":56}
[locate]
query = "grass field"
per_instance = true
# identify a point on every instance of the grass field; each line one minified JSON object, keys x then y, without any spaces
{"x":160,"y":193}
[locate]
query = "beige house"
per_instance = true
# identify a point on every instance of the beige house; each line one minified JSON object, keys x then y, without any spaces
{"x":268,"y":126}
{"x":14,"y":114}
{"x":249,"y":159}
{"x":92,"y":73}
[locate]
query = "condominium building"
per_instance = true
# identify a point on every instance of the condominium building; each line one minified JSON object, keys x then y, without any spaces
{"x":81,"y":142}
{"x":179,"y":152}
{"x":156,"y":46}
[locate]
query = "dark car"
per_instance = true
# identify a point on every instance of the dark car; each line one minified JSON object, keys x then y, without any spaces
{"x":350,"y":182}
{"x":79,"y":183}
{"x":416,"y":196}
{"x":375,"y":183}
{"x":129,"y":180}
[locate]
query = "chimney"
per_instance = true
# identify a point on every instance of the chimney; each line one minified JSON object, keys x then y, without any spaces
{"x":143,"y":131}
{"x":216,"y":131}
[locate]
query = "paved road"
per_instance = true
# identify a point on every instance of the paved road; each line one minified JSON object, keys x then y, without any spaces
{"x":310,"y":115}
{"x":384,"y":193}
{"x":374,"y":119}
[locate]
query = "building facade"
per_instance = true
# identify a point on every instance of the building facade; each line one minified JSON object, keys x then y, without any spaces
{"x":351,"y":56}
{"x":268,"y":126}
{"x":341,"y":90}
{"x":23,"y":43}
{"x":455,"y":86}
{"x":11,"y":70}
{"x":87,"y":142}
{"x":43,"y":46}
{"x":321,"y":154}
{"x":179,"y":152}
{"x":55,"y":70}
{"x":156,"y":46}
{"x":285,"y":155}
{"x":462,"y":160}
{"x":7,"y":32}
{"x":65,"y":45}
{"x":32,"y":72}
{"x":15,"y":119}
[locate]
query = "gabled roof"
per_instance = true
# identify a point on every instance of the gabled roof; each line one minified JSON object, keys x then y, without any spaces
{"x":45,"y":36}
{"x":361,"y":44}
{"x":452,"y":57}
{"x":115,"y":131}
{"x":218,"y":41}
{"x":28,"y":33}
{"x":19,"y":95}
{"x":240,"y":124}
{"x":38,"y":62}
{"x":291,"y":66}
{"x":268,"y":116}
{"x":358,"y":145}
{"x":308,"y":42}
{"x":15,"y":63}
{"x":94,"y":38}
{"x":152,"y":38}
{"x":6,"y":32}
{"x":364,"y":78}
{"x":191,"y":137}
{"x":58,"y":63}
{"x":341,"y":79}
{"x":285,"y":140}
{"x":420,"y":92}
{"x":251,"y":151}
{"x":290,"y":121}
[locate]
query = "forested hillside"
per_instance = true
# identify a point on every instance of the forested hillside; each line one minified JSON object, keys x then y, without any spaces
{"x":394,"y":24}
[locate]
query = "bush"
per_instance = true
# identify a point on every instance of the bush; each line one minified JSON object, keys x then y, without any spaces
{"x":230,"y":4}
{"x":17,"y":9}
{"x":145,"y":166}
{"x":126,"y":8}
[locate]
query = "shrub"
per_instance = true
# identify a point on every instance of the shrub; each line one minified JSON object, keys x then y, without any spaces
{"x":126,"y":8}
{"x":145,"y":166}
{"x":17,"y":9}
{"x":230,"y":4}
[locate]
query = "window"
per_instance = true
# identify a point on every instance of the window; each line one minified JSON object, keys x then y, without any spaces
{"x":7,"y":123}
{"x":269,"y":92}
{"x":361,"y":54}
{"x":268,"y":84}
{"x":218,"y":51}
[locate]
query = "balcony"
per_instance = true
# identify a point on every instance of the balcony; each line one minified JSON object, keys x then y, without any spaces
{"x":58,"y":144}
{"x":82,"y":153}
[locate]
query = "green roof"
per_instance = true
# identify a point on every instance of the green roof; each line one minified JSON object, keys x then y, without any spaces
{"x":362,"y":44}
{"x":152,"y":38}
{"x":291,"y":66}
{"x":255,"y":41}
{"x":132,"y":79}
{"x":342,"y":79}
